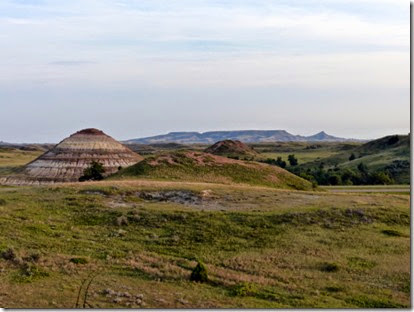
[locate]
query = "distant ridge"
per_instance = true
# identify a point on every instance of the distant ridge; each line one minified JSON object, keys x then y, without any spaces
{"x":246,"y":136}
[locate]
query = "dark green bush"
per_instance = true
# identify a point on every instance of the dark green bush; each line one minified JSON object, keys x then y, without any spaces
{"x":329,"y":267}
{"x":392,"y":233}
{"x":8,"y":254}
{"x":293,"y":161}
{"x":199,"y":273}
{"x":333,"y":289}
{"x":33,"y":257}
{"x":94,"y":172}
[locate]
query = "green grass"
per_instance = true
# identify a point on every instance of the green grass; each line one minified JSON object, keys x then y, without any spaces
{"x":263,"y":248}
{"x":304,"y":151}
{"x":376,"y":154}
{"x":302,"y":156}
{"x":12,"y":159}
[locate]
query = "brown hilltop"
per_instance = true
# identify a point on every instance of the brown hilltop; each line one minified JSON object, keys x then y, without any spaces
{"x":91,"y":131}
{"x":230,"y":148}
{"x":67,"y":160}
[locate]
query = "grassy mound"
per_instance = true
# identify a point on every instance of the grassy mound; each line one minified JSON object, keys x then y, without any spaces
{"x":203,"y":167}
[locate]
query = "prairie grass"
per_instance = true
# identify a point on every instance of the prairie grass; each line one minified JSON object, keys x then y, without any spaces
{"x":11,"y":159}
{"x":262,"y":247}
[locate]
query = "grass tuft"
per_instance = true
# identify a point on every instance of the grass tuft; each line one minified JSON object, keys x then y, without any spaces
{"x":329,"y":267}
{"x":79,"y":260}
{"x":392,"y":233}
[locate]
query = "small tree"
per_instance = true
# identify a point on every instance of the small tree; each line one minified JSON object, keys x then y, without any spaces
{"x":199,"y":273}
{"x":94,"y":172}
{"x":334,"y":180}
{"x":352,"y":157}
{"x":281,"y":163}
{"x":293,"y":161}
{"x":363,"y":168}
{"x":381,"y":178}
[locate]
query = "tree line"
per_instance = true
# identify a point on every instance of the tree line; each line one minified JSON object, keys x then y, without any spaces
{"x":334,"y":176}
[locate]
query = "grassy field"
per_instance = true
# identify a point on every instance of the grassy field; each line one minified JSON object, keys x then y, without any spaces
{"x":11,"y":158}
{"x":304,"y":151}
{"x":262,"y":247}
{"x":302,"y":156}
{"x":390,"y":189}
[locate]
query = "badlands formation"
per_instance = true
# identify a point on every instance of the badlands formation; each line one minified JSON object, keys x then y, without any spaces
{"x":68,"y":159}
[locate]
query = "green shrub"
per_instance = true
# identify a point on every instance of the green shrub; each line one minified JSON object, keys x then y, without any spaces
{"x":329,"y":267}
{"x":293,"y":161}
{"x":243,"y":289}
{"x":392,"y":233}
{"x":199,"y":273}
{"x":373,"y":303}
{"x":333,"y":289}
{"x":361,"y":263}
{"x":2,"y":202}
{"x":94,"y":172}
{"x":33,"y":257}
{"x":29,"y":272}
{"x":78,"y":260}
{"x":8,"y":254}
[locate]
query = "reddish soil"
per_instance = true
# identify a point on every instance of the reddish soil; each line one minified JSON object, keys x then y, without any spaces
{"x":201,"y":159}
{"x":230,"y":147}
{"x":91,"y":131}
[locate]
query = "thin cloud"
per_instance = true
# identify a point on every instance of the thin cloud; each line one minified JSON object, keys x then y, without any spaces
{"x":146,"y":54}
{"x":72,"y":63}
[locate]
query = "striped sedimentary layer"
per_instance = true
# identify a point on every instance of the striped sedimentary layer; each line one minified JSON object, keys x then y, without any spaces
{"x":67,"y":161}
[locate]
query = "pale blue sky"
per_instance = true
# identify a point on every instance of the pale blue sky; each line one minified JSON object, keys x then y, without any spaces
{"x":136,"y":68}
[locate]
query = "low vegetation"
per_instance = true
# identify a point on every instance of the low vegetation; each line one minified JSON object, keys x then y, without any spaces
{"x":185,"y":229}
{"x":259,"y":247}
{"x":384,"y":161}
{"x":94,"y":172}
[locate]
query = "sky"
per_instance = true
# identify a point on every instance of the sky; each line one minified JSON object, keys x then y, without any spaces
{"x":136,"y":68}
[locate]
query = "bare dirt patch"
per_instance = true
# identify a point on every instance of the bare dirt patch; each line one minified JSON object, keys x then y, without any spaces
{"x":178,"y":197}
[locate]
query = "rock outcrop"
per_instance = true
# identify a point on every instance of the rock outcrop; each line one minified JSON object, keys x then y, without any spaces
{"x":67,"y":161}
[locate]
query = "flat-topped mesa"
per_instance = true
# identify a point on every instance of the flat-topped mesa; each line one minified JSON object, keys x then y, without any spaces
{"x":67,"y":161}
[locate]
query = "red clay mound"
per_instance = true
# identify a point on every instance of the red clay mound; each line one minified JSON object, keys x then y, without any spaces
{"x":231,"y":148}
